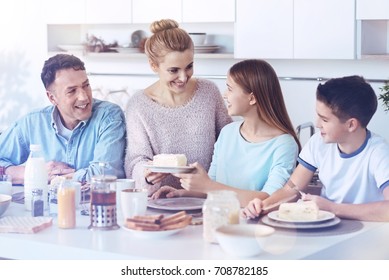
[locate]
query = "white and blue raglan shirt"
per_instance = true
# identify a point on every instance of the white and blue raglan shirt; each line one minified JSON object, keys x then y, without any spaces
{"x":359,"y":177}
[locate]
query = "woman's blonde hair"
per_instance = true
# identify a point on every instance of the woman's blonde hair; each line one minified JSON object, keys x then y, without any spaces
{"x":258,"y":77}
{"x":167,"y":37}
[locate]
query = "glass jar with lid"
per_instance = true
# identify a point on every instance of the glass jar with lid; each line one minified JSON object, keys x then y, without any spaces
{"x":220,"y":208}
{"x":37,"y":203}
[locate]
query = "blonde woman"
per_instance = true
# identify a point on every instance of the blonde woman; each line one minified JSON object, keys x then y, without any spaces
{"x":176,"y":114}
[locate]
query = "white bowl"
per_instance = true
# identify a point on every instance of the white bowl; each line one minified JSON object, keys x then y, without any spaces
{"x":5,"y":201}
{"x":242,"y":240}
{"x":198,"y":38}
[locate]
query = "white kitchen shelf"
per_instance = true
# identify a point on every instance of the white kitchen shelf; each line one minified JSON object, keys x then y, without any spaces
{"x":113,"y":55}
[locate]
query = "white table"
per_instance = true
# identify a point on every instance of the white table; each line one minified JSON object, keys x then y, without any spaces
{"x":349,"y":240}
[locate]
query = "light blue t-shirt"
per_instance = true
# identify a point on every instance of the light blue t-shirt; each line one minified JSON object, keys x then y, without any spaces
{"x":264,"y":166}
{"x":101,"y":138}
{"x":359,"y":177}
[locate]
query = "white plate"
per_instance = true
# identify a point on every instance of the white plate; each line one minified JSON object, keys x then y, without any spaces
{"x":323,"y":216}
{"x":126,"y":50}
{"x":206,"y":49}
{"x":168,"y":169}
{"x":71,"y":47}
{"x":177,"y":203}
{"x":152,"y":234}
{"x":329,"y":223}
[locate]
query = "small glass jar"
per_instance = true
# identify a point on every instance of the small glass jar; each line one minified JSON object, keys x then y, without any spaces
{"x":220,"y":208}
{"x":37,"y":204}
{"x":53,"y":201}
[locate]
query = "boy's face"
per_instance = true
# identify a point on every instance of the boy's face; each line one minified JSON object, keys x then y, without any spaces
{"x":332,"y":129}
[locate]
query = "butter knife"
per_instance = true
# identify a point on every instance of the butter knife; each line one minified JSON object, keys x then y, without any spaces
{"x":274,"y":205}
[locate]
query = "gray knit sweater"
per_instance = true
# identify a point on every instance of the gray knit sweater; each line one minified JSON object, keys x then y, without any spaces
{"x":191,"y":129}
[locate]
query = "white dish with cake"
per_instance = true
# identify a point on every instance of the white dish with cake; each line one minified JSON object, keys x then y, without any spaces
{"x":300,"y":212}
{"x":168,"y":169}
{"x":300,"y":215}
{"x":304,"y":226}
{"x":323,"y":216}
{"x":169,"y":163}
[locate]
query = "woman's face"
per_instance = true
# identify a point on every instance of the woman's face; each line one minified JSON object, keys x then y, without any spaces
{"x":175,"y":70}
{"x":238,"y":102}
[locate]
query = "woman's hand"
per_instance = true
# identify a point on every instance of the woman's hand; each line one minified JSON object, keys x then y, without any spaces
{"x":154,"y":177}
{"x":253,"y":209}
{"x":168,"y":192}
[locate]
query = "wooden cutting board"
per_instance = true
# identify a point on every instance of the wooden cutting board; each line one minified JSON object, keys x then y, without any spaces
{"x":11,"y":224}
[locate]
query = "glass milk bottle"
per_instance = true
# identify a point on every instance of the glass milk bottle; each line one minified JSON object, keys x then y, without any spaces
{"x":66,"y":196}
{"x":35,"y":176}
{"x":220,"y":208}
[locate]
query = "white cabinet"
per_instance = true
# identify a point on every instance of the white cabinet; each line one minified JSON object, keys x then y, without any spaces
{"x":264,"y":29}
{"x":147,"y":11}
{"x":88,"y":11}
{"x":108,"y":11}
{"x":373,"y":9}
{"x":324,"y":30}
{"x":301,"y":29}
{"x":208,"y":11}
{"x":64,"y":12}
{"x":372,"y":28}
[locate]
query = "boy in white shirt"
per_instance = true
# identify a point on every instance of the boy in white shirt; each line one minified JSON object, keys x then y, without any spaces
{"x":353,"y":162}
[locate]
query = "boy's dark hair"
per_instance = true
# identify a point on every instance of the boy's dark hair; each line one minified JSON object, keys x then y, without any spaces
{"x":59,"y":62}
{"x":349,"y":97}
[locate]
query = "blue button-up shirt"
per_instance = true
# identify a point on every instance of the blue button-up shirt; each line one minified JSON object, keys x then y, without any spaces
{"x":101,"y":138}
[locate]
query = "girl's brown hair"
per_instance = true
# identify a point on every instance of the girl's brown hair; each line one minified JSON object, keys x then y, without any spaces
{"x":258,"y":77}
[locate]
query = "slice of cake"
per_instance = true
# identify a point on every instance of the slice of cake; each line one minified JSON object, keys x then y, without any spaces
{"x":299,"y":211}
{"x":170,"y":160}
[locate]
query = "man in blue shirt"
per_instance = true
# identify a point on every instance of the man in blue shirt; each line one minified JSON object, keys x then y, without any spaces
{"x":75,"y":133}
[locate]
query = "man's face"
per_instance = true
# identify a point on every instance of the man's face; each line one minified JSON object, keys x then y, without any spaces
{"x":72,"y":95}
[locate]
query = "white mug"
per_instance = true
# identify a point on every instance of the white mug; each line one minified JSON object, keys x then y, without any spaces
{"x":6,"y":184}
{"x":122,"y":184}
{"x":133,"y":202}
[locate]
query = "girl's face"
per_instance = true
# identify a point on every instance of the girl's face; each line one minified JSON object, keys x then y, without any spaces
{"x":238,"y":102}
{"x":332,"y":129}
{"x":175,"y":70}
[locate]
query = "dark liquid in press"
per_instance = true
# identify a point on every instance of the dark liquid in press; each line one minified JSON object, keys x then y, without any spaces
{"x":103,"y":198}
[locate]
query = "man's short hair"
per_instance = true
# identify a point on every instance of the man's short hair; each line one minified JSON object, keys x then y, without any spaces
{"x":59,"y":62}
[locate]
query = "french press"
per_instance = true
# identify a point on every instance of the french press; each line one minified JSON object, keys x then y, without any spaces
{"x":103,"y":203}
